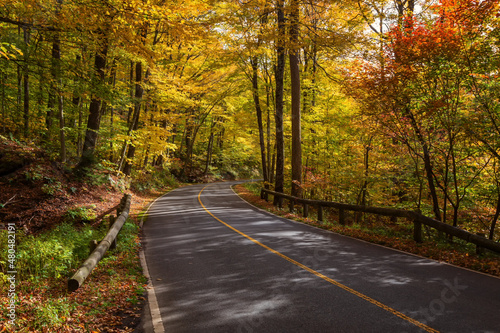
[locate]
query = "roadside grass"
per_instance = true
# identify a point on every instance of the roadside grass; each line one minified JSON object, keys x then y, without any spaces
{"x":110,"y":300}
{"x":397,"y":234}
{"x":51,"y":254}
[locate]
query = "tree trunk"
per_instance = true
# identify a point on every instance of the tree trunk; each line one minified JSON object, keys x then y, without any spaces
{"x":79,"y":139}
{"x":51,"y":103}
{"x":26,"y":86}
{"x":26,"y":104}
{"x":279,"y":73}
{"x":77,"y":107}
{"x":139,"y":92}
{"x":427,"y":164}
{"x":94,"y":119}
{"x":270,"y":168}
{"x":146,"y":158}
{"x":273,"y":163}
{"x":258,"y":110}
{"x":132,"y":91}
{"x":50,"y":114}
{"x":495,"y":217}
{"x":296,"y":114}
{"x":364,"y":188}
{"x":55,"y":69}
{"x":3,"y":76}
{"x":112,"y":114}
{"x":62,"y":138}
{"x":210,"y":148}
{"x":314,"y":70}
{"x":19,"y":91}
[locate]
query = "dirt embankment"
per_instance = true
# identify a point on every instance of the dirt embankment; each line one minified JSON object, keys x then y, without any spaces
{"x":36,"y":193}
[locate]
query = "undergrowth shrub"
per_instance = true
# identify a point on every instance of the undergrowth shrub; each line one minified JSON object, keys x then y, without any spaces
{"x":155,"y":179}
{"x":126,"y":240}
{"x":80,"y":213}
{"x":254,"y":187}
{"x":52,"y":254}
{"x":47,"y":260}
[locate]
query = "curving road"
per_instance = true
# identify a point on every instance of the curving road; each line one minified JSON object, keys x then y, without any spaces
{"x":219,"y":264}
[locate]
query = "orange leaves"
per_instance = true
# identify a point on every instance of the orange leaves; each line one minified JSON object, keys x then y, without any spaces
{"x":466,"y":13}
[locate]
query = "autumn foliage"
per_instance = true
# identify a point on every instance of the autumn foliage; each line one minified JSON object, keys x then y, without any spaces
{"x":432,"y":90}
{"x":399,"y":101}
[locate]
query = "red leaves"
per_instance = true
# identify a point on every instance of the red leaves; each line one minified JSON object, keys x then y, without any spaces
{"x":425,"y":43}
{"x":447,"y":37}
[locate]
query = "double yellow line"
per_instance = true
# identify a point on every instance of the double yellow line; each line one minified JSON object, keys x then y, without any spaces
{"x":318,"y":274}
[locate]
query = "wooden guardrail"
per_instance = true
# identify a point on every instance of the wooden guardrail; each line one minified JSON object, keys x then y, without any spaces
{"x":417,"y":218}
{"x":84,"y":271}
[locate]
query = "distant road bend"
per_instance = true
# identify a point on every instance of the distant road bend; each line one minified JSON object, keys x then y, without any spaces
{"x":219,"y":264}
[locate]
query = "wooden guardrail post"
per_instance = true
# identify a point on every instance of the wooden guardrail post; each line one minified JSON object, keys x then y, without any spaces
{"x":119,"y":208}
{"x":417,"y":231}
{"x":479,"y":249}
{"x":320,"y":213}
{"x":264,"y":195}
{"x":93,"y":245}
{"x":112,"y":220}
{"x":416,"y":217}
{"x":123,"y":204}
{"x":305,"y":211}
{"x":341,"y":216}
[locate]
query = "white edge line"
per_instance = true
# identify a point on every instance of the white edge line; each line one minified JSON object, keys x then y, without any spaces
{"x":154,"y":309}
{"x":367,"y":242}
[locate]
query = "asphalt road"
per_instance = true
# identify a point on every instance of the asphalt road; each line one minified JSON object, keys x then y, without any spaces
{"x":219,"y":264}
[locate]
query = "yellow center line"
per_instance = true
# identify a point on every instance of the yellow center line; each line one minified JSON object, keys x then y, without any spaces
{"x":318,"y":274}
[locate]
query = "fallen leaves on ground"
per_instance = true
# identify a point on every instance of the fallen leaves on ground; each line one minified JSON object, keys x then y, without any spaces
{"x":36,"y":194}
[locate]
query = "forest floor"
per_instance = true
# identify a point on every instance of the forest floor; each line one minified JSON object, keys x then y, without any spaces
{"x":37,"y":195}
{"x":393,"y":234}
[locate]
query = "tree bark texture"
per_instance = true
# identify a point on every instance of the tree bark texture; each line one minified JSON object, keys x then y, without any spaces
{"x":139,"y":92}
{"x":26,"y":86}
{"x":279,"y":73}
{"x":258,"y":110}
{"x":94,"y":119}
{"x":296,"y":113}
{"x":427,"y":163}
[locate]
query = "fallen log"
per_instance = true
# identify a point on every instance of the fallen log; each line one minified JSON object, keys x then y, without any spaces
{"x":84,"y":271}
